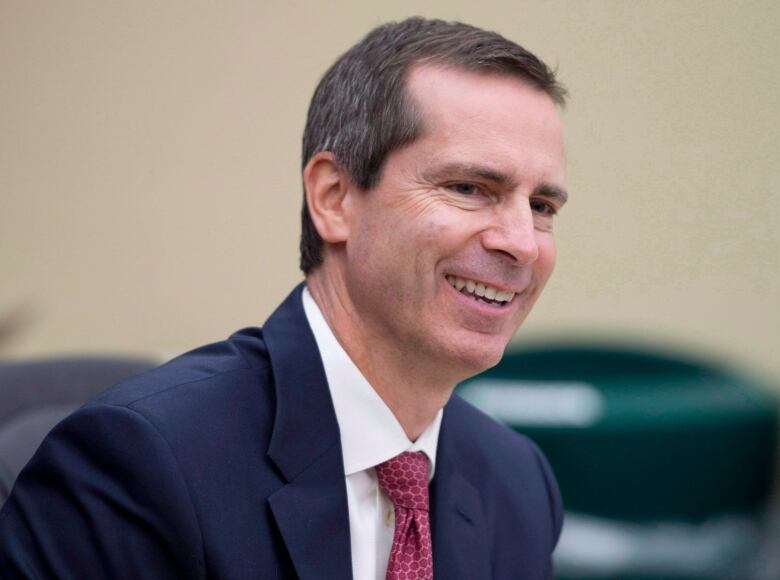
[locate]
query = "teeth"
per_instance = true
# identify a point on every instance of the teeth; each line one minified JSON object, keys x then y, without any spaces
{"x":479,"y":289}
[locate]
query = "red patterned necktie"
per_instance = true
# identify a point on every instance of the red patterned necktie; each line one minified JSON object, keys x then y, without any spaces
{"x":404,"y":479}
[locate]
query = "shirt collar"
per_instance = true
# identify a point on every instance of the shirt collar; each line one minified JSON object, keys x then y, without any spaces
{"x":370,"y":433}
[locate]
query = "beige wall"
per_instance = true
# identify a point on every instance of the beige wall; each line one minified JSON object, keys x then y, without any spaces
{"x":149,"y":182}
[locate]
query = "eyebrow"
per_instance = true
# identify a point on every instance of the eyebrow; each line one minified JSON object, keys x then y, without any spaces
{"x":552,"y":192}
{"x":500,"y":178}
{"x":470,"y":171}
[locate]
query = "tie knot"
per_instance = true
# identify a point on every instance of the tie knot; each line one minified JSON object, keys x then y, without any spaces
{"x":404,"y":479}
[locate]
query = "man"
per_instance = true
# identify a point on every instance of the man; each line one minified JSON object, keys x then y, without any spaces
{"x":433,"y":167}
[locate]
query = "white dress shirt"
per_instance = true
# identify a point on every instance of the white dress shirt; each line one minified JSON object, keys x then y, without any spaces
{"x":370,"y":435}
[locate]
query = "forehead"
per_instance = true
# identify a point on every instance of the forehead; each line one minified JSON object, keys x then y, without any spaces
{"x":465,"y":113}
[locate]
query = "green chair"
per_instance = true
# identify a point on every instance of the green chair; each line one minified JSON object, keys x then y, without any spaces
{"x":640,"y":440}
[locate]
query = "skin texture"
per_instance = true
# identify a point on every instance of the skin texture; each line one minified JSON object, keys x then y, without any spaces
{"x":474,"y":197}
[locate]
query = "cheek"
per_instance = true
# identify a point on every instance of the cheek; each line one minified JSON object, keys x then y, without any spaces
{"x":545,"y":264}
{"x":379,"y":256}
{"x":448,"y":228}
{"x":411,"y":240}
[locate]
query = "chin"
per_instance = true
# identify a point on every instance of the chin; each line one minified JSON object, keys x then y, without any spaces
{"x":472,"y":360}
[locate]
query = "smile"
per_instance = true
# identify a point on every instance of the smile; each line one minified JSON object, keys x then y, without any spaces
{"x":480,"y":291}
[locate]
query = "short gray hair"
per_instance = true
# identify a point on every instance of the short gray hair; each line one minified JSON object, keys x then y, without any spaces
{"x":360,"y":111}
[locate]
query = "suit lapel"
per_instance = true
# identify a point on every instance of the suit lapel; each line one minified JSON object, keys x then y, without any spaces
{"x":460,"y":542}
{"x":311,"y":510}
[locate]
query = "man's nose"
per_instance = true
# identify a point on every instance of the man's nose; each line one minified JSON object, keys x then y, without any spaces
{"x":513,"y":234}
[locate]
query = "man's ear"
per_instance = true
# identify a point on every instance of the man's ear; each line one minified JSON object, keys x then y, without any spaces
{"x":327,"y":184}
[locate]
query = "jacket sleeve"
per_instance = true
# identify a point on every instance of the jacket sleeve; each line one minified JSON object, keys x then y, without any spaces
{"x":102,"y":498}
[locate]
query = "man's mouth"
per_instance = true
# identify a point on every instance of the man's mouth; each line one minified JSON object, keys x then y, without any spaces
{"x":480,"y":291}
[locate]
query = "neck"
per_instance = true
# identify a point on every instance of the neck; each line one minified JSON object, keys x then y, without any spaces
{"x":414,"y":390}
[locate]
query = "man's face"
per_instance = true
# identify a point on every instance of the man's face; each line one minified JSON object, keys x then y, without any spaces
{"x":471,"y":201}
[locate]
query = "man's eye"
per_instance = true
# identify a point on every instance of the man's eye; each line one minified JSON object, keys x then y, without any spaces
{"x":465,"y":188}
{"x":543,"y":207}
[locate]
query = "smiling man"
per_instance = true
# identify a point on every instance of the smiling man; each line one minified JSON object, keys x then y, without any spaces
{"x":329,"y":443}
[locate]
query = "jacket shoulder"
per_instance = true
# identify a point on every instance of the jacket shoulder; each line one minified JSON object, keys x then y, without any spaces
{"x":213,"y":366}
{"x":141,"y":466}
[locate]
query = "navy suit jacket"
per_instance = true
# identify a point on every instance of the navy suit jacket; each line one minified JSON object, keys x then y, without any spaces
{"x":226,"y":463}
